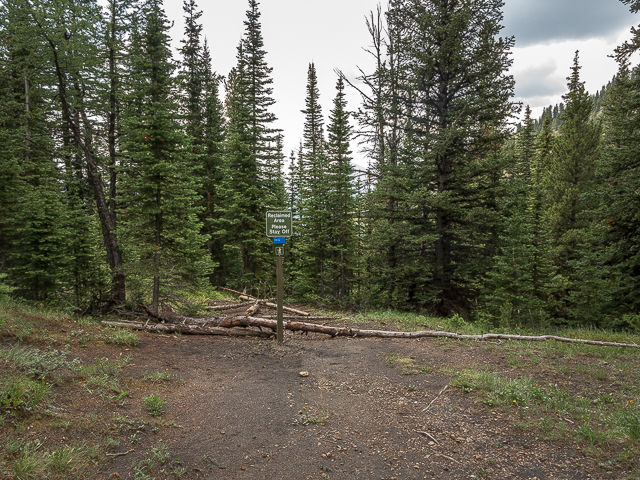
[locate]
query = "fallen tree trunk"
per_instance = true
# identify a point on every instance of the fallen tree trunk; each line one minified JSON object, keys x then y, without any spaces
{"x":261,"y":300}
{"x":251,"y":311}
{"x":221,"y":308}
{"x":231,"y":322}
{"x":269,"y":303}
{"x":190,"y":329}
{"x":297,"y":317}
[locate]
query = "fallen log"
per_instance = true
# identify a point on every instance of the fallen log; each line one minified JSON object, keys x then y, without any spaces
{"x":221,"y":308}
{"x":297,"y":317}
{"x":229,"y":322}
{"x":190,"y":329}
{"x":251,"y":311}
{"x":269,"y":303}
{"x":263,"y":300}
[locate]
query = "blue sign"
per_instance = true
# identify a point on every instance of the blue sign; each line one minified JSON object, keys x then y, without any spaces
{"x":279,"y":240}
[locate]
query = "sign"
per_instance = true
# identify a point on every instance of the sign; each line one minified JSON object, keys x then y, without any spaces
{"x":279,"y":251}
{"x":279,"y":240}
{"x":279,"y":223}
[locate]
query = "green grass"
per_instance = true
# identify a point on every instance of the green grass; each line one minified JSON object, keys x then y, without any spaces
{"x":121,"y":337}
{"x":155,"y":404}
{"x":408,"y":365}
{"x":37,"y":363}
{"x":157,"y":377}
{"x":20,"y":394}
{"x":595,"y":419}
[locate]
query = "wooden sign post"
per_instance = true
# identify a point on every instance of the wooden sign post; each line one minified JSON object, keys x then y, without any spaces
{"x":279,"y":226}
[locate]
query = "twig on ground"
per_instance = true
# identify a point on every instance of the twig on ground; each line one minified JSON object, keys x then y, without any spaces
{"x":119,"y":454}
{"x":448,"y":458}
{"x":437,"y":397}
{"x":426,"y":434}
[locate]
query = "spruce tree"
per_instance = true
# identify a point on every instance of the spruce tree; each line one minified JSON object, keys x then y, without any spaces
{"x":312,"y":249}
{"x":619,"y":209}
{"x":570,"y":180}
{"x":163,"y":234}
{"x":33,"y":222}
{"x":212,"y":161}
{"x":453,"y":93}
{"x":250,"y":152}
{"x":341,"y":198}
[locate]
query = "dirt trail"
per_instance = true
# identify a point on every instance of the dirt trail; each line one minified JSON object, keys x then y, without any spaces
{"x":247,"y":413}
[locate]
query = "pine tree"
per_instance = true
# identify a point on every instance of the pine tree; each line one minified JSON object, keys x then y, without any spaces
{"x":212,"y":161}
{"x":192,"y":74}
{"x":313,"y":245}
{"x":340,"y":202}
{"x":571,"y":177}
{"x":619,"y":210}
{"x":250,"y":154}
{"x":33,"y":224}
{"x":75,"y":55}
{"x":453,"y":94}
{"x":161,"y":227}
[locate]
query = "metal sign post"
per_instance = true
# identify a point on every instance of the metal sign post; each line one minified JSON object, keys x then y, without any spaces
{"x":279,"y":225}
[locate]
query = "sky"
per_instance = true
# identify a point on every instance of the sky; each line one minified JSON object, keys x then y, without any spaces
{"x":333,"y":35}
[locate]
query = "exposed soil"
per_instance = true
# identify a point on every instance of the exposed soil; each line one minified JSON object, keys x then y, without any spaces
{"x":243,"y":411}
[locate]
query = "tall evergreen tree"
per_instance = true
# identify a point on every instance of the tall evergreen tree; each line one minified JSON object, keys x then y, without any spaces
{"x":619,"y":209}
{"x":250,"y":153}
{"x":75,"y":56}
{"x":313,"y":246}
{"x":341,"y":199}
{"x":212,"y":161}
{"x":453,"y":92}
{"x":570,"y":180}
{"x":161,"y":226}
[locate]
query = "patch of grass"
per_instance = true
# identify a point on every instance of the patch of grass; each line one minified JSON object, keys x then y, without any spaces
{"x":69,"y":460}
{"x":121,"y":337}
{"x":407,"y":364}
{"x":20,"y":394}
{"x":30,"y":464}
{"x":306,"y":418}
{"x":157,"y":377}
{"x":154,"y":403}
{"x":629,"y":422}
{"x":38,"y":363}
{"x":82,"y":337}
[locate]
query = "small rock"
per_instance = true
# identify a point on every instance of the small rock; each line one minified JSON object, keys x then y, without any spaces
{"x":304,"y":374}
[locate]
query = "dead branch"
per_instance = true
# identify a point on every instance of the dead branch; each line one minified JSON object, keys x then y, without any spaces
{"x":221,"y":308}
{"x":190,"y":329}
{"x":296,"y":317}
{"x":448,"y":458}
{"x":261,"y":300}
{"x":437,"y":397}
{"x":428,"y":435}
{"x":355,"y":332}
{"x":119,"y":454}
{"x":236,"y":292}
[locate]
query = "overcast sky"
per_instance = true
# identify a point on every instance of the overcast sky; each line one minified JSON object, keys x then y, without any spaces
{"x":332,"y":34}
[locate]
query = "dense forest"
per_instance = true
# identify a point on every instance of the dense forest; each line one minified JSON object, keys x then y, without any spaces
{"x":127,"y":175}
